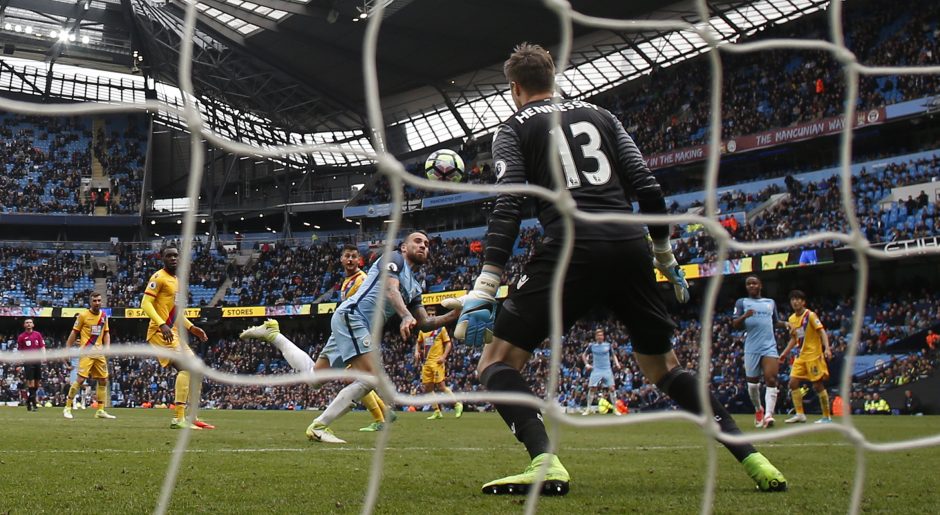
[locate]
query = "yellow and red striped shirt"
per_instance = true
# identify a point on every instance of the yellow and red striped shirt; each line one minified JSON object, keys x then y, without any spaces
{"x":91,"y":328}
{"x":352,"y":283}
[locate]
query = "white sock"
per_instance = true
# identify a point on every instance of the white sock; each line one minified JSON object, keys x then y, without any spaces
{"x":590,"y":401}
{"x":299,"y":360}
{"x":613,"y":399}
{"x":341,"y":403}
{"x":770,"y":400}
{"x":753,"y":390}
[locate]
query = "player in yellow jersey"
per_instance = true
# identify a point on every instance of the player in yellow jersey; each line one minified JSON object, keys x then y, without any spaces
{"x":92,"y":331}
{"x":350,"y":260}
{"x":159,"y":303}
{"x":435,"y":346}
{"x":300,"y":361}
{"x":807,"y":331}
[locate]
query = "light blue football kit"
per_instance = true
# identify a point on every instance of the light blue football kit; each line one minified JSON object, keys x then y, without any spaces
{"x":352,"y":321}
{"x":601,"y":371}
{"x":759,"y":339}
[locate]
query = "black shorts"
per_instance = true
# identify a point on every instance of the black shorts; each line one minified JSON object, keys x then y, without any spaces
{"x":32,"y":371}
{"x":616,"y":275}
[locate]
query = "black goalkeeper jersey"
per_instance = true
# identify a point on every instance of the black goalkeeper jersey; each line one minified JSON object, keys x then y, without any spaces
{"x":601,"y":164}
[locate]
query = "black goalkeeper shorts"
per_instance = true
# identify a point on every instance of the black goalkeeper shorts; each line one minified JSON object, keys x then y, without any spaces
{"x":616,"y":275}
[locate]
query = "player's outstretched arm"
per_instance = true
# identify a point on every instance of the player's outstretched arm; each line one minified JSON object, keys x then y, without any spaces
{"x":393,"y":295}
{"x":429,"y":323}
{"x":477,"y":308}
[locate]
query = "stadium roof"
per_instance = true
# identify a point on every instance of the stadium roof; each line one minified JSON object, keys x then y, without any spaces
{"x":277,"y":71}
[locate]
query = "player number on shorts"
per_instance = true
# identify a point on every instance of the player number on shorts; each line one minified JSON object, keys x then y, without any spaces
{"x":590,"y":150}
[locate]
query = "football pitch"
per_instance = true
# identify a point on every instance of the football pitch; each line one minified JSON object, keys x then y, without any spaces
{"x":260,"y":462}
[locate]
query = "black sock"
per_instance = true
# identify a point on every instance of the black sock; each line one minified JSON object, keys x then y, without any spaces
{"x":32,"y":397}
{"x":683,"y":388}
{"x":524,"y":422}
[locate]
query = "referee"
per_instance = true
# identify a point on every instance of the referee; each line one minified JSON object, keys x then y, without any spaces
{"x":602,"y":169}
{"x":31,"y":341}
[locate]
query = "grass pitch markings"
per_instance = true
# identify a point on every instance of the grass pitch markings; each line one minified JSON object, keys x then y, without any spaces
{"x":324,"y":448}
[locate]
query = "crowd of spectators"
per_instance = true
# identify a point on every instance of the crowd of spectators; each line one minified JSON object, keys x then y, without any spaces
{"x":285,"y":274}
{"x":121,"y":148}
{"x":282,"y":273}
{"x":45,"y":160}
{"x":901,"y":371}
{"x":816,"y":206}
{"x":32,"y":277}
{"x":141,"y":382}
{"x":779,"y":88}
{"x":769,"y":89}
{"x":294,"y":274}
{"x":126,"y":284}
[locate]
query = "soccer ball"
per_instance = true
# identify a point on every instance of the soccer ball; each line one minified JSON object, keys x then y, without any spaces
{"x":444,"y":165}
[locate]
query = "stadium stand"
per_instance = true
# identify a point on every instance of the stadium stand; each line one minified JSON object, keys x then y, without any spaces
{"x":32,"y":277}
{"x":44,"y":160}
{"x":287,"y":274}
{"x":134,"y":267}
{"x":49,"y":167}
{"x":121,"y":148}
{"x":786,"y":87}
{"x":815,"y":205}
{"x":889,"y":319}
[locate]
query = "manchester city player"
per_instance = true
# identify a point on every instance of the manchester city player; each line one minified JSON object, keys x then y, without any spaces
{"x":601,"y":372}
{"x":351,"y":324}
{"x":758,"y":317}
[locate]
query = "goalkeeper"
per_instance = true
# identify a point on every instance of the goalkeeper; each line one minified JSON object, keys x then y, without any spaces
{"x":602,"y":168}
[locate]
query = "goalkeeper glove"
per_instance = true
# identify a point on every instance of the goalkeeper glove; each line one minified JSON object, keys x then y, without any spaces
{"x":478,"y":311}
{"x":665,"y":262}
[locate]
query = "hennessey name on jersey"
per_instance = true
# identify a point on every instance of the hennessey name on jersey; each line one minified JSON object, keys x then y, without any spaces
{"x":560,"y":107}
{"x":601,"y":167}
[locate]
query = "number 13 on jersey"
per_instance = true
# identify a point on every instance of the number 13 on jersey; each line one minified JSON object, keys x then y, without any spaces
{"x":590,"y":151}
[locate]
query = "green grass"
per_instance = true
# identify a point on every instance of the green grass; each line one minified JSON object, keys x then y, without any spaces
{"x":260,"y":462}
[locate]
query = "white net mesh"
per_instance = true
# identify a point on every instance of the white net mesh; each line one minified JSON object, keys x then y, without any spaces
{"x":398,"y":177}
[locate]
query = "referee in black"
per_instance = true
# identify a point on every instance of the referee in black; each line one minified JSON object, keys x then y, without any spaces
{"x":612,"y":265}
{"x":31,"y":341}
